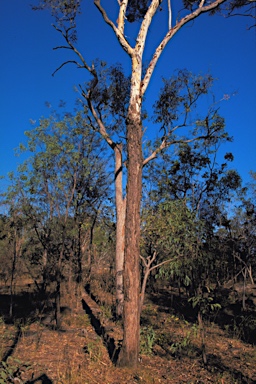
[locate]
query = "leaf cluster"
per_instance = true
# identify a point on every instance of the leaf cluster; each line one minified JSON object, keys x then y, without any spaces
{"x":204,"y":303}
{"x":62,"y":10}
{"x":110,"y":95}
{"x":136,"y":10}
{"x":180,"y":92}
{"x":171,"y":230}
{"x":12,"y":370}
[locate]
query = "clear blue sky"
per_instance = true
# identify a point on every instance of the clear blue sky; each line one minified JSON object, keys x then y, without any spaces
{"x":222,"y":46}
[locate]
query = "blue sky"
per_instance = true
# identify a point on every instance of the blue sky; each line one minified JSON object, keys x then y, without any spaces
{"x":225,"y":47}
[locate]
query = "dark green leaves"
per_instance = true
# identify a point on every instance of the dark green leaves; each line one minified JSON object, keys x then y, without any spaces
{"x":136,"y":9}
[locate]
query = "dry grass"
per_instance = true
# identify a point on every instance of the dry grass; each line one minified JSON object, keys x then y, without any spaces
{"x":77,"y":355}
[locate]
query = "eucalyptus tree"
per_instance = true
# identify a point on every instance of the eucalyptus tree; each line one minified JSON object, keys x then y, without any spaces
{"x":122,"y":13}
{"x":59,"y":189}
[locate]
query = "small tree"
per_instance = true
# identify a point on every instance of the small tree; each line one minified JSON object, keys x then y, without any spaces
{"x":170,"y":240}
{"x":60,"y":186}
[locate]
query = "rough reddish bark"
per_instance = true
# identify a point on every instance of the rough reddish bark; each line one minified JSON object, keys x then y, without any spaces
{"x":131,"y":317}
{"x":120,"y":228}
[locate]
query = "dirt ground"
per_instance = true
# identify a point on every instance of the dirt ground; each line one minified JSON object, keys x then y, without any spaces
{"x":170,"y":352}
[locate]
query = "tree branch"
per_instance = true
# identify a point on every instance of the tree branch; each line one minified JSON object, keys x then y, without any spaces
{"x":67,"y":62}
{"x":102,"y":129}
{"x":65,"y":34}
{"x":119,"y":34}
{"x":170,"y":14}
{"x":154,"y":154}
{"x":121,"y":16}
{"x":160,"y":264}
{"x":166,"y":144}
{"x":61,"y":47}
{"x":170,"y":34}
{"x":140,"y":42}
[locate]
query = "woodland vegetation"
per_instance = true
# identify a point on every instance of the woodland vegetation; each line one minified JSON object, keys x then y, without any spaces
{"x":152,"y":242}
{"x":197,"y":247}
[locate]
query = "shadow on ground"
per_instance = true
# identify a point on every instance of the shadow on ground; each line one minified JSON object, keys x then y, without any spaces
{"x":231,"y":317}
{"x":43,"y":379}
{"x":111,"y":345}
{"x":26,"y":304}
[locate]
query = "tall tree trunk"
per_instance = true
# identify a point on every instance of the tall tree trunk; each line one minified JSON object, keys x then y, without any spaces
{"x":120,"y":230}
{"x":130,"y":349}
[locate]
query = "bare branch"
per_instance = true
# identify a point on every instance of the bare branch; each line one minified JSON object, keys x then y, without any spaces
{"x":101,"y":126}
{"x":67,"y":62}
{"x":156,"y":152}
{"x":166,"y":144}
{"x":119,"y":34}
{"x":150,"y":260}
{"x":168,"y":37}
{"x":66,"y":36}
{"x":160,"y":264}
{"x":244,"y":15}
{"x":141,"y":38}
{"x":61,"y":47}
{"x":121,"y":16}
{"x":170,"y":14}
{"x":144,"y":261}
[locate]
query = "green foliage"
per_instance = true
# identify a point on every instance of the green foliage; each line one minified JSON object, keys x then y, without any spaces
{"x":60,"y":188}
{"x":81,"y":321}
{"x":106,"y":311}
{"x":171,"y":230}
{"x":136,"y":10}
{"x":111,"y":96}
{"x":179,"y":96}
{"x":94,"y":350}
{"x":184,"y":345}
{"x":64,"y":12}
{"x":243,"y":327}
{"x":147,"y":340}
{"x":204,"y":303}
{"x":12,"y":369}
